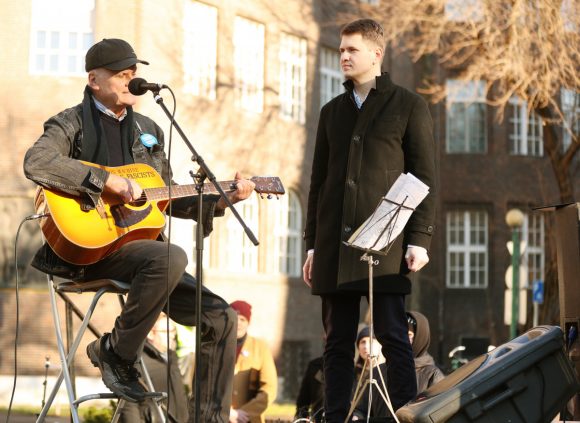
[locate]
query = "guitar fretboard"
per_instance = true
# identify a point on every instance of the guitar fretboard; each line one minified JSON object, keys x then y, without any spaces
{"x":180,"y":191}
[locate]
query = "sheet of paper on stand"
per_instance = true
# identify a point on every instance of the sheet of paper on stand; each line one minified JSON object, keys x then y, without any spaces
{"x":391,"y":215}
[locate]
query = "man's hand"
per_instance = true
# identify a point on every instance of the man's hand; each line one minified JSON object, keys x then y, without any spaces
{"x":307,"y":269}
{"x":127,"y":190}
{"x":416,"y":258}
{"x":239,"y":416}
{"x":244,"y":188}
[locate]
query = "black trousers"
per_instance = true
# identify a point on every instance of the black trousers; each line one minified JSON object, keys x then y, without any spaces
{"x":150,"y":269}
{"x":340,"y":317}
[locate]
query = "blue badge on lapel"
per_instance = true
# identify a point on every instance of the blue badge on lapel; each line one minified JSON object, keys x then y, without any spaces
{"x":148,"y":140}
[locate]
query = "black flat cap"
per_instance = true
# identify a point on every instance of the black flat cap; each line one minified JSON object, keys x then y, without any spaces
{"x":113,"y":54}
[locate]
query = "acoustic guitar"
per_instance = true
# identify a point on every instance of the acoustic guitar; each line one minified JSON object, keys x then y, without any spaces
{"x":85,"y":237}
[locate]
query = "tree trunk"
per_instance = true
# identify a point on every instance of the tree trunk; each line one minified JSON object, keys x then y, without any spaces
{"x":561,"y":161}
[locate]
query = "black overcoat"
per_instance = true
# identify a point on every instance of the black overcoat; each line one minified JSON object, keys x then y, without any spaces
{"x":358,"y":156}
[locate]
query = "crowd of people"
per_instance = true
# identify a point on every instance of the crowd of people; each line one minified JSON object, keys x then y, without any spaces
{"x":255,"y":378}
{"x":310,"y":401}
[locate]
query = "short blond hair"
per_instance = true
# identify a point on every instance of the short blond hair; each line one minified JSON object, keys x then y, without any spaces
{"x":369,"y":29}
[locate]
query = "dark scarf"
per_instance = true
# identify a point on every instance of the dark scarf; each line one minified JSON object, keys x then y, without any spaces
{"x":240,"y":344}
{"x":94,"y":148}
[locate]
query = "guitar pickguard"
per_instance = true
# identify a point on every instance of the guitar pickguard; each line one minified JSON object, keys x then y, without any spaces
{"x":125,"y":217}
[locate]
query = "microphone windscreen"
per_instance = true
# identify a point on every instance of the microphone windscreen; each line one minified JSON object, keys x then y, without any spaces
{"x":135,"y":86}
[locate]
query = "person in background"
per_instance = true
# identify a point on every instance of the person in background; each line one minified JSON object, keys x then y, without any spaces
{"x":363,"y":346}
{"x":427,"y":373}
{"x":185,"y":351}
{"x":255,"y":376}
{"x":420,"y":337}
{"x":156,"y":357}
{"x":310,"y":400}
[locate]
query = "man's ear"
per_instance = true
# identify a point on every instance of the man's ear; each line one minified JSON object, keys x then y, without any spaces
{"x":379,"y":54}
{"x":92,"y":80}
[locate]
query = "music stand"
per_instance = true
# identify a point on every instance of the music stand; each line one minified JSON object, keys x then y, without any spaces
{"x":375,"y":228}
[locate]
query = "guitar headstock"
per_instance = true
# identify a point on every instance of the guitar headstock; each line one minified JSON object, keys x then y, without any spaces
{"x":270,"y":185}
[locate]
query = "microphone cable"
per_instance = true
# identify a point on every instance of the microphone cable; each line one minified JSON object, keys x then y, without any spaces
{"x":17,"y":292}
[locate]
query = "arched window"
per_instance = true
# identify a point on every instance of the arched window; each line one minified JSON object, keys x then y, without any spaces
{"x":239,"y":252}
{"x":288,"y":231}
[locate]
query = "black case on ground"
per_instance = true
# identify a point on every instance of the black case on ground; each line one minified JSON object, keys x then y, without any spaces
{"x":526,"y":380}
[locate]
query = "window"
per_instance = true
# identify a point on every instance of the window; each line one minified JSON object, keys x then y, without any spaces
{"x":570,"y":14}
{"x":199,"y":49}
{"x":249,"y":64}
{"x":288,"y":234}
{"x":533,"y":235}
{"x":293,"y":78}
{"x":570,"y":101}
{"x":61,"y":34}
{"x":294,"y":358}
{"x":239,"y":252}
{"x":467,"y":245}
{"x":331,"y":77}
{"x":526,"y":135}
{"x":463,"y":10}
{"x":183,"y":233}
{"x":466,"y":117}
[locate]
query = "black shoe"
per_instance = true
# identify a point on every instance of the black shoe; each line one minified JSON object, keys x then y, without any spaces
{"x":119,"y":375}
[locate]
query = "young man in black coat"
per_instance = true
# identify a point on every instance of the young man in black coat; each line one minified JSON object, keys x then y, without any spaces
{"x":366,"y":138}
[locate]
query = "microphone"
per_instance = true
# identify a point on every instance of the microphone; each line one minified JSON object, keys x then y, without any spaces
{"x":138,"y":86}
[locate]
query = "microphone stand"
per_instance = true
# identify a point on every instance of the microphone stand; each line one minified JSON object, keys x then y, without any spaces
{"x":202,"y":173}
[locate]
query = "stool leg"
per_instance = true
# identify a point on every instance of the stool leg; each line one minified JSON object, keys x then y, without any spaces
{"x":64,"y":374}
{"x":117,"y":414}
{"x":69,"y":341}
{"x":63,"y":360}
{"x":151,"y":388}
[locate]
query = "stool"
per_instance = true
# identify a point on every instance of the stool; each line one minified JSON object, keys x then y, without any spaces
{"x":99,"y":287}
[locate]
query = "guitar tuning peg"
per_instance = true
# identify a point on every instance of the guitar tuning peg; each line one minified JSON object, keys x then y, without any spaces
{"x":277,"y":197}
{"x":261,"y":196}
{"x":269,"y":196}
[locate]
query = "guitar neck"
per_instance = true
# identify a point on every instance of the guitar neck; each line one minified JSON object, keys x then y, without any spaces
{"x":180,"y":191}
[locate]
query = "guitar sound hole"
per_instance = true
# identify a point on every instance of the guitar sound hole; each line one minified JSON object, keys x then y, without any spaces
{"x":139,"y":202}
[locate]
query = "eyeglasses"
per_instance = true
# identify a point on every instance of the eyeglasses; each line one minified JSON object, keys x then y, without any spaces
{"x":412,"y":323}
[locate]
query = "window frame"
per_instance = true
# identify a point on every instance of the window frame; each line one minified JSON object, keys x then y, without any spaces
{"x":293,"y":55}
{"x":571,"y":111}
{"x":249,"y":59}
{"x":200,"y":66}
{"x":468,"y":95}
{"x":53,"y":54}
{"x":521,"y":121}
{"x":289,"y":233}
{"x":534,"y":223}
{"x":331,"y":75}
{"x":240,"y":255}
{"x":466,"y":248}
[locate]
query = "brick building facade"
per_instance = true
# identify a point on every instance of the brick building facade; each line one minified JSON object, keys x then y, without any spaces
{"x":249,"y":79}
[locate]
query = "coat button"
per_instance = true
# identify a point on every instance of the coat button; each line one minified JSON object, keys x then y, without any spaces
{"x":356,"y":139}
{"x":347,"y":229}
{"x":430,"y":228}
{"x":351,"y":183}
